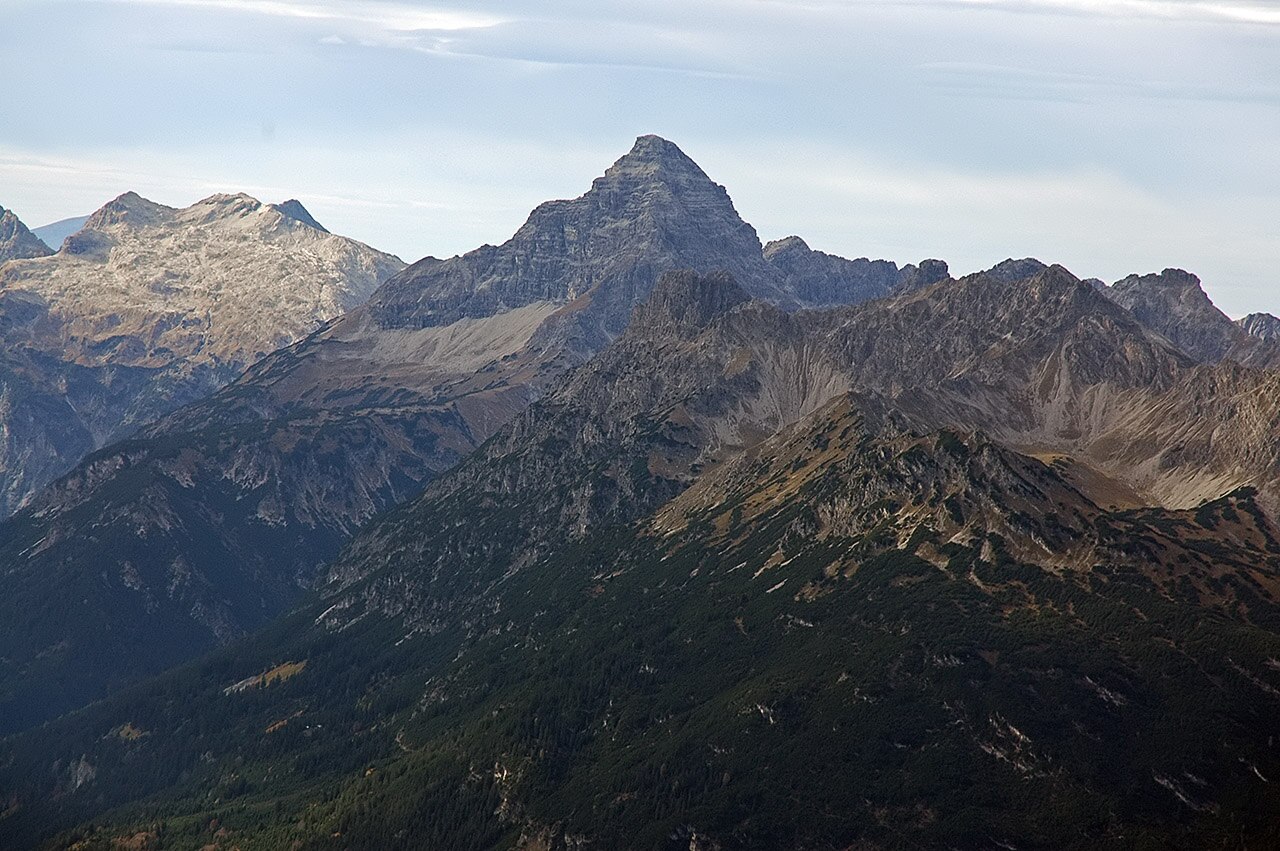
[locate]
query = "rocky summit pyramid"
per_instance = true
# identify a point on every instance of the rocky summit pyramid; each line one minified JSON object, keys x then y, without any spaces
{"x":147,"y":308}
{"x":593,"y":258}
{"x":293,"y":209}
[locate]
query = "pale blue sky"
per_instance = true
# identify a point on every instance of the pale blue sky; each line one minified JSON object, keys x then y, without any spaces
{"x":1112,"y":137}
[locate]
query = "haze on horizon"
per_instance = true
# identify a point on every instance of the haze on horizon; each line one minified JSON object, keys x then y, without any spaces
{"x":1111,"y":137}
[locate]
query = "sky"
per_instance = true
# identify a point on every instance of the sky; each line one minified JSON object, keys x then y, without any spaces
{"x":1111,"y":137}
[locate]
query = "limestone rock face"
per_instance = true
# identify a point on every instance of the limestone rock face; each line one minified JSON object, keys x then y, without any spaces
{"x":147,"y":308}
{"x":224,"y":281}
{"x":685,"y":298}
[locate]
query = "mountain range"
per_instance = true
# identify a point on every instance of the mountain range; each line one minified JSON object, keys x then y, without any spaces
{"x":219,"y":515}
{"x":636,"y":532}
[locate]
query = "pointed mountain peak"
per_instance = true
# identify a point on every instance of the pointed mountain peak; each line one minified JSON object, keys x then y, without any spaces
{"x":655,"y":149}
{"x":652,"y":211}
{"x":293,"y":209}
{"x":128,"y":209}
{"x":1016,"y":270}
{"x":687,"y":300}
{"x":1058,"y":284}
{"x":17,"y":242}
{"x":653,"y":158}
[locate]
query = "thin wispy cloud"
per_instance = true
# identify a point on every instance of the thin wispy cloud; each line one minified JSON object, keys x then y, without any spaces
{"x":1192,"y":10}
{"x":392,"y":16}
{"x":1001,"y":81}
{"x":1163,"y":10}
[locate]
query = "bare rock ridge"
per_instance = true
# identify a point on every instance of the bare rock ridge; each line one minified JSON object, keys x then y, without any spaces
{"x":1174,"y":305}
{"x":147,"y":308}
{"x":824,"y":280}
{"x":926,"y":274}
{"x":1016,"y":270}
{"x":1045,"y":364}
{"x":16,"y":241}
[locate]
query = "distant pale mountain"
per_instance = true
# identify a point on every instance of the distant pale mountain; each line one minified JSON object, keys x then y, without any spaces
{"x":16,"y":241}
{"x":55,"y":233}
{"x":147,"y":308}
